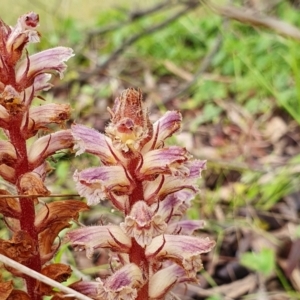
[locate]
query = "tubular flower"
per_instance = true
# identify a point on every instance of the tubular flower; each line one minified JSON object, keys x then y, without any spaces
{"x":91,"y":238}
{"x":90,"y":141}
{"x":152,"y":186}
{"x":122,"y":285}
{"x":163,"y":280}
{"x":98,"y":183}
{"x":184,"y":250}
{"x":143,"y":224}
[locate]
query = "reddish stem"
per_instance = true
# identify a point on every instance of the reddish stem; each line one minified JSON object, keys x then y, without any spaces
{"x":137,"y":256}
{"x":27,"y":224}
{"x":27,"y":204}
{"x":137,"y":253}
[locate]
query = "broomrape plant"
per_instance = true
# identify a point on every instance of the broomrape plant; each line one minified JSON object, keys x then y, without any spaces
{"x":151,"y":184}
{"x":23,"y":164}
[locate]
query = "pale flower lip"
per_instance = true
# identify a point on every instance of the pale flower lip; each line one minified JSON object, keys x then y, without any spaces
{"x":184,"y":250}
{"x":160,"y":161}
{"x":154,"y":190}
{"x":41,"y":82}
{"x":43,"y":169}
{"x":196,"y":167}
{"x":126,"y":136}
{"x":93,"y":237}
{"x":173,"y":203}
{"x":163,"y":280}
{"x":171,"y":184}
{"x":45,"y":61}
{"x":185,"y":227}
{"x":122,"y":284}
{"x":88,"y":288}
{"x":91,"y":141}
{"x":48,"y":145}
{"x":96,"y":183}
{"x":178,"y":246}
{"x":163,"y":128}
{"x":143,"y":224}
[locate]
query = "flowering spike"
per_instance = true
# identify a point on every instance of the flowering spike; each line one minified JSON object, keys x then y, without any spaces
{"x":23,"y":155}
{"x":152,"y":186}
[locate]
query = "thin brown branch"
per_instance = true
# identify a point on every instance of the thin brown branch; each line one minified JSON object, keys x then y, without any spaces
{"x":189,"y":5}
{"x":132,"y":17}
{"x":39,"y":196}
{"x":253,"y":18}
{"x":140,"y":35}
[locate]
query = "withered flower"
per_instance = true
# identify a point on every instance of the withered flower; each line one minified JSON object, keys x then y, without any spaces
{"x":22,"y":77}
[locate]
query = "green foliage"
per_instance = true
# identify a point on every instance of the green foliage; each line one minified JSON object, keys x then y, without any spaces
{"x":209,"y":114}
{"x":182,"y":42}
{"x":216,"y":297}
{"x":268,"y":189}
{"x":62,"y":172}
{"x":110,"y":16}
{"x":246,"y":58}
{"x":262,"y":262}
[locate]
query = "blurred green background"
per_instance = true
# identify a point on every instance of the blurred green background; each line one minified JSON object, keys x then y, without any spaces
{"x":238,"y":88}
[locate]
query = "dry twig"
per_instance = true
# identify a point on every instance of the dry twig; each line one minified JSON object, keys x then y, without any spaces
{"x":253,"y":18}
{"x":189,"y":6}
{"x":42,"y":278}
{"x":133,"y":16}
{"x":39,"y":196}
